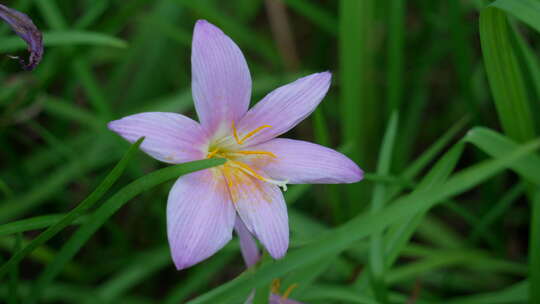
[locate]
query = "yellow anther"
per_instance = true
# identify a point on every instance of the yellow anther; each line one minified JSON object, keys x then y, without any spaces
{"x":257,"y":153}
{"x":241,"y":141}
{"x":276,"y":283}
{"x":287,"y":292}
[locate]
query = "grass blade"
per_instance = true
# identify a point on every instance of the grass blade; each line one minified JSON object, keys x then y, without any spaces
{"x":376,"y":253}
{"x":527,"y":11}
{"x":66,"y":220}
{"x":505,"y":76}
{"x":496,"y":145}
{"x":358,"y":107}
{"x":34,"y":223}
{"x":396,"y":53}
{"x":364,"y":225}
{"x":103,"y":213}
{"x":65,"y":38}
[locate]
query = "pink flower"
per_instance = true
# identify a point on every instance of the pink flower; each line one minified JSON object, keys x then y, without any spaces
{"x":202,"y":206}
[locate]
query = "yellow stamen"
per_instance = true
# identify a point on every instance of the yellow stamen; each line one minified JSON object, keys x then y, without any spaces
{"x":287,"y":292}
{"x":235,"y":134}
{"x":241,"y":141}
{"x":212,"y":153}
{"x":276,"y":283}
{"x":248,"y":170}
{"x":257,"y":153}
{"x":227,"y":172}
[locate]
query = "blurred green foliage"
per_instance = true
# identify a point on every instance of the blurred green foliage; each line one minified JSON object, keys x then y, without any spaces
{"x":449,"y":211}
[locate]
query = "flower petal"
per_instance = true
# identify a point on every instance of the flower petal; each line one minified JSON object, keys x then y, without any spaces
{"x":200,"y":217}
{"x":262,"y":209}
{"x":248,"y":246}
{"x":23,"y":26}
{"x":284,"y":107}
{"x":302,"y":162}
{"x":277,"y":299}
{"x":169,"y":137}
{"x":221,"y":83}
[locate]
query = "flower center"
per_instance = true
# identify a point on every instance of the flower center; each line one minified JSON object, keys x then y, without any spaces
{"x":236,"y":169}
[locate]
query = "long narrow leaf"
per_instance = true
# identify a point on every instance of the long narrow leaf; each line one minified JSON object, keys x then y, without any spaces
{"x":101,"y":215}
{"x":505,"y":76}
{"x":364,"y":225}
{"x":66,"y":220}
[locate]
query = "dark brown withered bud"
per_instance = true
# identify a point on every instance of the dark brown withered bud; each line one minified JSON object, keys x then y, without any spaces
{"x":23,"y":26}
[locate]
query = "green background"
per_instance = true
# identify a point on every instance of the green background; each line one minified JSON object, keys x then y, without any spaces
{"x":436,"y":100}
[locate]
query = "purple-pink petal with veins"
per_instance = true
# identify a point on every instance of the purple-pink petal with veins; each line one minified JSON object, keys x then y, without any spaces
{"x":302,"y":162}
{"x":23,"y":26}
{"x":200,"y":218}
{"x":221,"y":82}
{"x":169,"y":137}
{"x":262,"y":208}
{"x":285,"y":107}
{"x":274,"y":299}
{"x":277,"y":299}
{"x":248,"y":245}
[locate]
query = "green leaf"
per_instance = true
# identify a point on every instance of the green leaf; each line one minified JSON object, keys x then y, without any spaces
{"x":38,"y":222}
{"x":113,"y":204}
{"x":364,"y":225}
{"x":505,"y":76}
{"x":429,"y":154}
{"x":515,"y":294}
{"x":498,"y":211}
{"x":359,"y":109}
{"x":495,"y":145}
{"x":200,"y":276}
{"x":401,"y":233}
{"x":65,"y":38}
{"x":395,"y":54}
{"x":140,"y":268}
{"x":325,"y":293}
{"x":527,"y":11}
{"x":67,"y":219}
{"x":97,"y":153}
{"x":376,"y":253}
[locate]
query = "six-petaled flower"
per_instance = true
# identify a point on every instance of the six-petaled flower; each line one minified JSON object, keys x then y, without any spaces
{"x":203,"y":207}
